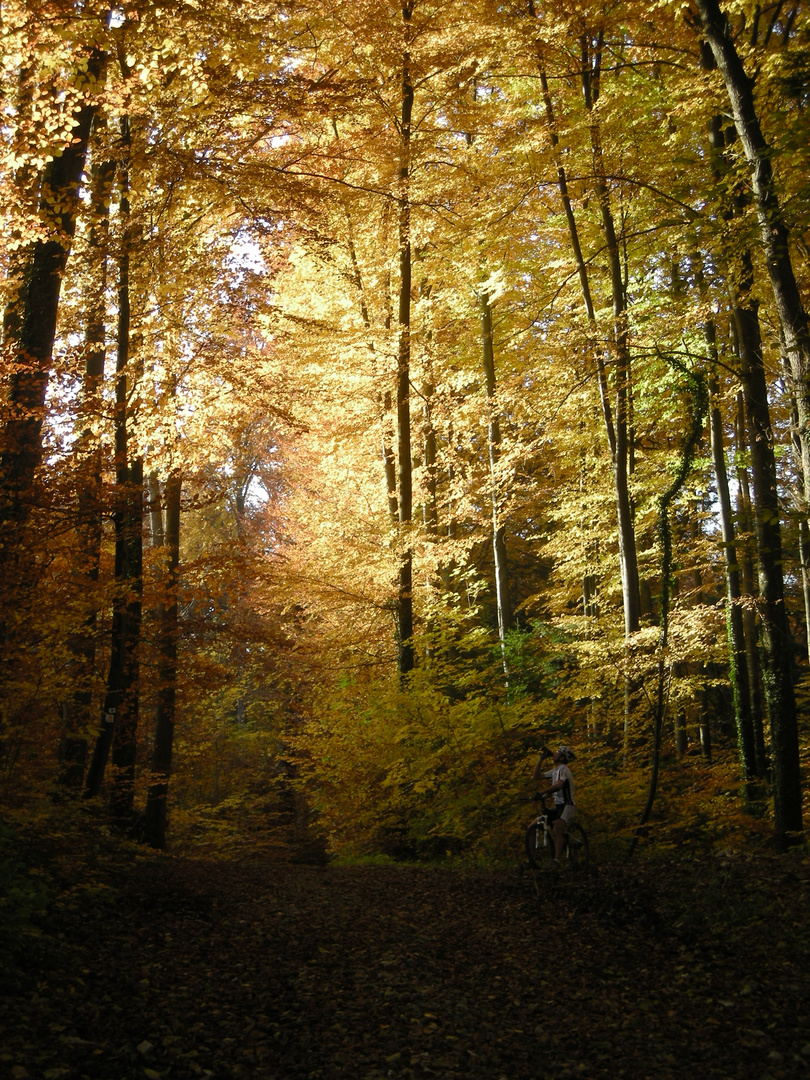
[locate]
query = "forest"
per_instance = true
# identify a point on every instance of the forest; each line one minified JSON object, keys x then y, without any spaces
{"x":390,"y":390}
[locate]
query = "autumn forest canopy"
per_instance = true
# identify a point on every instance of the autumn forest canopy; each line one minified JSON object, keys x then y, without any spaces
{"x":391,"y":389}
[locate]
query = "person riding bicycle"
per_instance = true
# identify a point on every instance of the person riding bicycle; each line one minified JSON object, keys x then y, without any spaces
{"x":562,"y":788}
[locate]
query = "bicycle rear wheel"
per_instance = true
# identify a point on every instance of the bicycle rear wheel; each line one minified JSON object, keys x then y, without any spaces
{"x":579,"y":853}
{"x":538,"y":846}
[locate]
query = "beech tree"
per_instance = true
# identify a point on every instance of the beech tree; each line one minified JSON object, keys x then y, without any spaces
{"x":42,"y":249}
{"x":395,"y":292}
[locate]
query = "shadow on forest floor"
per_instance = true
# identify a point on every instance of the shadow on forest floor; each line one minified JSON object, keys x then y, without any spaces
{"x":182,"y":968}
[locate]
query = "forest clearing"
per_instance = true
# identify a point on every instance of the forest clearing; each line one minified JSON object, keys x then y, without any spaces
{"x":389,"y":391}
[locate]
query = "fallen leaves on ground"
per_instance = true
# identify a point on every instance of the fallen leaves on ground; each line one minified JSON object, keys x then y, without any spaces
{"x":262,"y":969}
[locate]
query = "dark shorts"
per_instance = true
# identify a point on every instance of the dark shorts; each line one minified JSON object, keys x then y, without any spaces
{"x":561,"y":810}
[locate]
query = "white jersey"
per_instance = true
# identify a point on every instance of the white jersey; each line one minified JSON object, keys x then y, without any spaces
{"x":563,"y":796}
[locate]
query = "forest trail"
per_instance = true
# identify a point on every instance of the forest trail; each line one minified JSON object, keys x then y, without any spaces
{"x":269,"y":970}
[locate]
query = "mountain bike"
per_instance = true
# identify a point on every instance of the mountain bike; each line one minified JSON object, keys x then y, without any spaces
{"x":540,"y":845}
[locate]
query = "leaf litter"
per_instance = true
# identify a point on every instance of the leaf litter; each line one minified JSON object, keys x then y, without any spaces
{"x":190,"y":969}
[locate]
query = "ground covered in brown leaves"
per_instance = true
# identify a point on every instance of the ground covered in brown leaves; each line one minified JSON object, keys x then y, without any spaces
{"x":189,"y":969}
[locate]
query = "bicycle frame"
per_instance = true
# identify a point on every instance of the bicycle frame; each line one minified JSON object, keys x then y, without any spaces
{"x":540,"y":847}
{"x":548,"y":838}
{"x":541,"y":828}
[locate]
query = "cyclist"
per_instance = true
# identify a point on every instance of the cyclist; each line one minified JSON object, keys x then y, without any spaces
{"x":562,"y":788}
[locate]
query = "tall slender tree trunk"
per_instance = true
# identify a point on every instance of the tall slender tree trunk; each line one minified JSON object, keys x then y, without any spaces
{"x":121,"y":704}
{"x":26,"y":183}
{"x":494,"y":440}
{"x":30,"y":329}
{"x":776,"y":636}
{"x":430,"y":513}
{"x":738,"y":651}
{"x":405,"y":485}
{"x":734,"y":616}
{"x":430,"y":508}
{"x":621,"y":446}
{"x":616,"y":429}
{"x":622,"y":450}
{"x":95,"y":354}
{"x":582,"y":269}
{"x":130,"y":470}
{"x":154,"y":826}
{"x":120,"y":713}
{"x":796,"y":336}
{"x":777,"y":642}
{"x":738,"y":659}
{"x":156,"y":529}
{"x":78,"y":712}
{"x":389,"y":459}
{"x":772,"y":226}
{"x":693,"y":435}
{"x":804,"y":528}
{"x":451,"y":529}
{"x":804,"y":555}
{"x":746,"y":544}
{"x":387,"y":452}
{"x":387,"y":423}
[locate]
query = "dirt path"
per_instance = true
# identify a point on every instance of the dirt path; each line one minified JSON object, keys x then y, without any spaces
{"x":271,"y":971}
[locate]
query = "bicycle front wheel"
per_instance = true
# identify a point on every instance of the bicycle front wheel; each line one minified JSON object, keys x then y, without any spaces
{"x":538,"y":846}
{"x":579,"y":853}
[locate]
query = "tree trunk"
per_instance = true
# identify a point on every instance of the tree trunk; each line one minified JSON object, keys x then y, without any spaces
{"x":738,"y":652}
{"x":734,"y":614}
{"x":773,"y":229}
{"x":679,"y":720}
{"x":78,"y":712}
{"x":494,"y":441}
{"x":430,"y":514}
{"x":576,"y":247}
{"x":26,"y":186}
{"x":777,"y":642}
{"x":430,"y":509}
{"x":154,"y":828}
{"x":447,"y":569}
{"x":704,"y":723}
{"x":591,"y":69}
{"x":156,"y":535}
{"x":30,"y":329}
{"x":745,"y":523}
{"x":616,"y":430}
{"x":121,"y":705}
{"x":388,"y":456}
{"x":122,"y":794}
{"x":804,"y":529}
{"x":804,"y":555}
{"x":693,"y":435}
{"x":405,"y":583}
